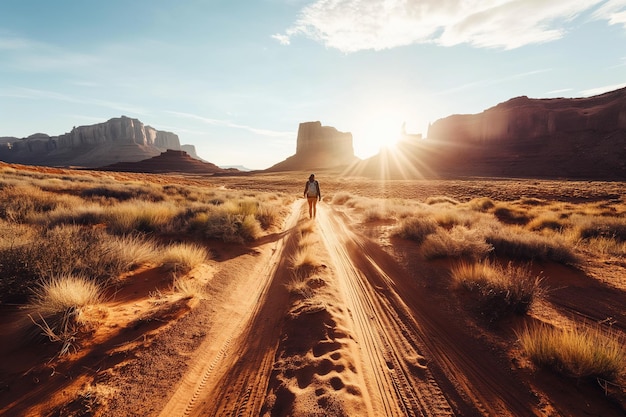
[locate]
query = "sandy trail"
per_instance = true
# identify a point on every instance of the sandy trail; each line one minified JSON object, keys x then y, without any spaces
{"x":229,"y":371}
{"x":401,"y":330}
{"x":413,"y":355}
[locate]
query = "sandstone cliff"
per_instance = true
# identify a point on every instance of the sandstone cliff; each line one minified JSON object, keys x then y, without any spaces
{"x":319,"y":147}
{"x":578,"y":138}
{"x":118,"y":139}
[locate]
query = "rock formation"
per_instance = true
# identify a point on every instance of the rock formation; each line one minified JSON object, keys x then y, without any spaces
{"x":319,"y":147}
{"x":578,"y":138}
{"x":118,"y":139}
{"x":168,"y":161}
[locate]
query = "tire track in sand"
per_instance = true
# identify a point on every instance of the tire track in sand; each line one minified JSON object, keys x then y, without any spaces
{"x":461,"y":379}
{"x":399,"y":384}
{"x":229,"y":371}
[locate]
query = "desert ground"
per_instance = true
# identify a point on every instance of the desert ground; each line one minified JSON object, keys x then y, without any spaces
{"x":340,"y":315}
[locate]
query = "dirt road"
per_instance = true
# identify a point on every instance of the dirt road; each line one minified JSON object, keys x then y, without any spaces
{"x":407,"y":355}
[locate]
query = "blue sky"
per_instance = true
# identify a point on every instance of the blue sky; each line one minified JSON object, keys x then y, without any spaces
{"x":236,"y":78}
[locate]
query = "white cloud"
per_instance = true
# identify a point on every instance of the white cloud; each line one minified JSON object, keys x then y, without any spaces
{"x":614,"y":11}
{"x":34,"y":94}
{"x":229,"y":124}
{"x":353,"y":25}
{"x":600,"y":90}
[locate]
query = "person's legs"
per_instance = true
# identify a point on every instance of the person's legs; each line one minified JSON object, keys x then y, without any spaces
{"x":314,"y":207}
{"x":311,"y":202}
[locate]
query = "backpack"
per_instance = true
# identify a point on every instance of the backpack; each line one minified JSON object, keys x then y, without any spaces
{"x":312,"y":189}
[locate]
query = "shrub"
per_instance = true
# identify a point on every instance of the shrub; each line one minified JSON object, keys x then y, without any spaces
{"x":137,"y":215}
{"x":511,"y":215}
{"x":441,"y":200}
{"x":416,"y":228}
{"x":57,"y":304}
{"x":458,"y":242}
{"x":183,"y":257}
{"x":481,"y":204}
{"x":499,"y":291}
{"x":610,"y":228}
{"x":521,"y":244}
{"x":582,"y":353}
{"x":304,"y":260}
{"x":547,"y":221}
{"x":341,"y":198}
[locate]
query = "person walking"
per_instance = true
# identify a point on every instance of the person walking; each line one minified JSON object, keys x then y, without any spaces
{"x":313,"y":194}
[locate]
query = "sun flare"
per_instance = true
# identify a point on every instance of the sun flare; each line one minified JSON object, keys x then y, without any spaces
{"x":380,"y":126}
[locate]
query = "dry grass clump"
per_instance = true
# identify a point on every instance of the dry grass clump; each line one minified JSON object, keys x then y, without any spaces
{"x":508,"y":214}
{"x":304,"y":258}
{"x":499,"y":291}
{"x":342,"y":197}
{"x":600,"y":227}
{"x":416,"y":228}
{"x":238,"y":219}
{"x":299,"y":286}
{"x":142,"y":216}
{"x":442,"y":200}
{"x":183,"y":257}
{"x":57,"y":305}
{"x":481,"y":204}
{"x":586,"y":352}
{"x":518,"y":243}
{"x":549,"y":220}
{"x":459,"y":242}
{"x":187,"y":288}
{"x":21,"y":203}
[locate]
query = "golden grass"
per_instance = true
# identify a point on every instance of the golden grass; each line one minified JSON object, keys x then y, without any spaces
{"x":187,"y":288}
{"x":586,"y":352}
{"x":60,"y":293}
{"x":459,"y":242}
{"x":519,"y":243}
{"x":56,"y":307}
{"x":416,"y":228}
{"x":183,"y":257}
{"x":500,"y":291}
{"x":304,"y":258}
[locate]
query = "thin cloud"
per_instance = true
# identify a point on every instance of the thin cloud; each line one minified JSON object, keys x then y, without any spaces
{"x":601,"y":90}
{"x":354,"y":25}
{"x":229,"y":124}
{"x":613,"y":11}
{"x":33,"y":94}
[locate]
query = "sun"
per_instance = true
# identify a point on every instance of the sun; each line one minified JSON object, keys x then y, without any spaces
{"x":377,"y":131}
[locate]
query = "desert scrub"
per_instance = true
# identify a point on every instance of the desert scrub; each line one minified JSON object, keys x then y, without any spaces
{"x":508,"y":214}
{"x":519,"y":243}
{"x":459,"y":242}
{"x":416,"y":228}
{"x":341,"y":198}
{"x":589,"y":227}
{"x":21,"y":203}
{"x":482,"y":204}
{"x":441,"y":200}
{"x":57,"y":305}
{"x":498,"y":291}
{"x":586,"y":352}
{"x":183,"y":257}
{"x":142,"y":216}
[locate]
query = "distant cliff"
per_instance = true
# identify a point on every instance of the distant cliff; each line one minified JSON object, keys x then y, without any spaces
{"x":319,"y":147}
{"x":117,"y":140}
{"x":577,"y":138}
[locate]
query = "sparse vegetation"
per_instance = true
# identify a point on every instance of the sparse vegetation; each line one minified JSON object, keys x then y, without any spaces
{"x":499,"y":290}
{"x":59,"y":229}
{"x":416,"y":228}
{"x":587,"y":352}
{"x":57,"y":305}
{"x":183,"y":257}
